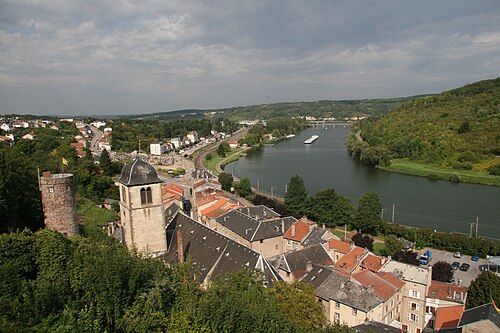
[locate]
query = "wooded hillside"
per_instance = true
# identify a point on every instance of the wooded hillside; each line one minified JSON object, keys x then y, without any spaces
{"x":459,"y":128}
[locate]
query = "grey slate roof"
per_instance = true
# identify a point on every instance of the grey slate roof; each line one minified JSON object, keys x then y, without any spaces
{"x":296,"y":262}
{"x":347,"y":291}
{"x":170,"y":212}
{"x":260,"y":212}
{"x":139,"y":172}
{"x":314,"y":237}
{"x":483,"y":312}
{"x":252,"y":229}
{"x":212,"y":253}
{"x":317,"y":275}
{"x":373,"y":326}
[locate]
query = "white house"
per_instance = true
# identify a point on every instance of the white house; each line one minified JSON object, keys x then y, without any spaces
{"x":177,"y":142}
{"x":157,"y":148}
{"x":98,"y":124}
{"x":193,"y":136}
{"x":5,"y":127}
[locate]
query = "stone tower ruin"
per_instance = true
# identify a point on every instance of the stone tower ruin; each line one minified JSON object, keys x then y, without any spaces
{"x":59,"y":204}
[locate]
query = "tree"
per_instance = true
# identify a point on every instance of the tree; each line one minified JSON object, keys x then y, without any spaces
{"x":244,"y":188}
{"x":408,"y":257}
{"x":321,"y":207}
{"x":442,"y":271}
{"x":392,"y":245}
{"x":226,"y":181}
{"x":298,"y":302}
{"x":296,"y":196}
{"x":484,"y":289}
{"x":365,"y":242}
{"x":367,"y":217}
{"x":105,"y":163}
{"x":223,"y":149}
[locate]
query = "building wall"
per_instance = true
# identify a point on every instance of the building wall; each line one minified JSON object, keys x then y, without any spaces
{"x":269,"y":247}
{"x":413,"y":306}
{"x":59,"y":204}
{"x":156,"y":148}
{"x":347,"y":315}
{"x":143,"y":224}
{"x":231,"y":234}
{"x":291,"y":245}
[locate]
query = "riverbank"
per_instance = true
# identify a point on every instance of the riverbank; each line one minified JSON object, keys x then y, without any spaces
{"x":433,"y":172}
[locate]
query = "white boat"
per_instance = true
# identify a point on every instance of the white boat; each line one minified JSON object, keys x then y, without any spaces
{"x":290,"y":136}
{"x":311,"y":139}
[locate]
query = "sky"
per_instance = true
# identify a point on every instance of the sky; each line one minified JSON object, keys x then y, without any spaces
{"x":107,"y":57}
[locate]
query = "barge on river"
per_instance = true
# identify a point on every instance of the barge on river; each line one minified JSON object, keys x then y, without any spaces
{"x":311,"y":139}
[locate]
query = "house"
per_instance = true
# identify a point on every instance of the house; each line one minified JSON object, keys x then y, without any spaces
{"x":156,"y":148}
{"x":414,"y":293}
{"x":296,"y":234}
{"x":483,"y":318}
{"x":20,"y":124}
{"x":338,"y":249}
{"x":211,"y":254}
{"x":98,"y":123}
{"x":193,"y":137}
{"x":5,"y":127}
{"x":294,"y":265}
{"x":232,"y":144}
{"x":172,"y":194}
{"x":30,"y":136}
{"x":374,"y":327}
{"x":9,"y":138}
{"x":105,"y":143}
{"x":176,"y":142}
{"x":264,"y":236}
{"x":444,"y":305}
{"x":204,"y":184}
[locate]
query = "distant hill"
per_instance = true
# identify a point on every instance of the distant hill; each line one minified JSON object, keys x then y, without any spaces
{"x":337,"y":109}
{"x":459,"y":128}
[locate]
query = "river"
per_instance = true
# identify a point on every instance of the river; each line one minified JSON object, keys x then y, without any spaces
{"x":418,"y":202}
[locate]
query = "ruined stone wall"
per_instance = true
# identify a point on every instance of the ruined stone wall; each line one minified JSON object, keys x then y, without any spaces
{"x":59,"y":204}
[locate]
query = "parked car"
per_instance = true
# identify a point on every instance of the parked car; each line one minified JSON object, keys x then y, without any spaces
{"x":457,"y":255}
{"x":474,"y":258}
{"x":464,"y":267}
{"x":455,"y":265}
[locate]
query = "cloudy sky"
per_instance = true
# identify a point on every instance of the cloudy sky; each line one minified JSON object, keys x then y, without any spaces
{"x":86,"y":57}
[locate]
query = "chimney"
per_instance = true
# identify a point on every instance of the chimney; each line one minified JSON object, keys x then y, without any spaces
{"x":309,"y":266}
{"x":282,"y":227}
{"x":46,"y":174}
{"x":293,"y":230}
{"x":180,"y":247}
{"x":324,"y":226}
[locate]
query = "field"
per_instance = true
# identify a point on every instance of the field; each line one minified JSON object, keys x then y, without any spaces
{"x":93,"y":218}
{"x":408,"y":167}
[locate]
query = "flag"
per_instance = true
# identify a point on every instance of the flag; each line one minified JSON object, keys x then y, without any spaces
{"x":64,"y":161}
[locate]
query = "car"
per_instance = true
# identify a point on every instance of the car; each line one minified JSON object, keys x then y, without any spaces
{"x":455,"y":265}
{"x":464,"y":267}
{"x":457,"y":255}
{"x":474,"y":258}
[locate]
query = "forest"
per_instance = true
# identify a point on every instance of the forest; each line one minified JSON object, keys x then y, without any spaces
{"x":459,"y":129}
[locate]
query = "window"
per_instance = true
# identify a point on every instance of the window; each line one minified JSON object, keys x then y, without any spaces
{"x":414,"y":293}
{"x":354,"y":312}
{"x":276,"y":246}
{"x":431,"y":323}
{"x":124,"y":197}
{"x":337,"y":305}
{"x":430,"y":309}
{"x":146,"y":195}
{"x":413,"y":317}
{"x":413,"y":306}
{"x":51,"y":189}
{"x":336,"y":317}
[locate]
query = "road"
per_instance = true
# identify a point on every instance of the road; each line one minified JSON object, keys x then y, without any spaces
{"x":94,"y":143}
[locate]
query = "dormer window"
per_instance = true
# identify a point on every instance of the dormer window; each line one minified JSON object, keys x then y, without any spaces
{"x":146,"y":195}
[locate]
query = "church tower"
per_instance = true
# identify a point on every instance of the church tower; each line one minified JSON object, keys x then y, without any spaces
{"x":141,"y":208}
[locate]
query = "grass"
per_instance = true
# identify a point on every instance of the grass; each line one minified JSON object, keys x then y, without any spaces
{"x":378,"y":248}
{"x":211,"y":163}
{"x":93,"y":218}
{"x":408,"y":167}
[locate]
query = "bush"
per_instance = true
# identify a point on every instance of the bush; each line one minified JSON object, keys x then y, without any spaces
{"x":454,"y":178}
{"x":432,"y":176}
{"x":494,"y":169}
{"x":462,"y":166}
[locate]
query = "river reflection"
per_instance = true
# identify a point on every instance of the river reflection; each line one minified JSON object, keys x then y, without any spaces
{"x":418,"y":201}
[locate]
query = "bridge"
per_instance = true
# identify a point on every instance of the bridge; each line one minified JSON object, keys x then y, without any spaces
{"x":325,"y":123}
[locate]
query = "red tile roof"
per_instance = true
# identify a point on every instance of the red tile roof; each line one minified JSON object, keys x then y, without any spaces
{"x":350,"y":261}
{"x":342,"y":247}
{"x":448,"y":317}
{"x":447,"y":292}
{"x":172,"y":190}
{"x":384,"y":289}
{"x":300,"y":232}
{"x":77,"y":145}
{"x":372,"y":262}
{"x":391,"y":278}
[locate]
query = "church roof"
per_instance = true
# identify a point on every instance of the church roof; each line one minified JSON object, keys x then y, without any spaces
{"x":139,"y":172}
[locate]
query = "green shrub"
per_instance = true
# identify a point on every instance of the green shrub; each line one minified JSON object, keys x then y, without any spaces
{"x":494,"y":169}
{"x":432,"y":176}
{"x":454,"y":178}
